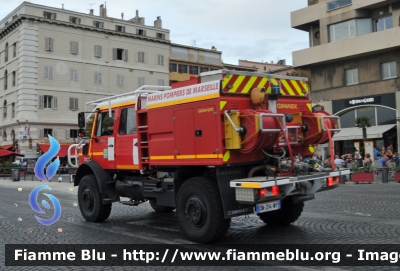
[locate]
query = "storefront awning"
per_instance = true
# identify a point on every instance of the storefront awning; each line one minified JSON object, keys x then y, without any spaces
{"x":6,"y":147}
{"x":4,"y":153}
{"x":63,"y":149}
{"x":355,"y":133}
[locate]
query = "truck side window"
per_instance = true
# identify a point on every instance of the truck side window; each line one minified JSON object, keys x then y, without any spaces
{"x":105,"y":124}
{"x":128,"y":121}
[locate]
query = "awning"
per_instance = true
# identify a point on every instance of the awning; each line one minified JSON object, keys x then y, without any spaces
{"x":6,"y":147}
{"x":4,"y":153}
{"x":356,"y":133}
{"x":63,"y":149}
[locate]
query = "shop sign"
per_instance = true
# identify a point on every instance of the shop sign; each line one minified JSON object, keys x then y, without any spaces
{"x":366,"y":100}
{"x":318,"y":107}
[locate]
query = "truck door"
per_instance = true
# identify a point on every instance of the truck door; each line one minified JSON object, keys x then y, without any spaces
{"x":127,"y":146}
{"x":102,"y":146}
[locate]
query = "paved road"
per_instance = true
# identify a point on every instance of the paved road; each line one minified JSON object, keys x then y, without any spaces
{"x":350,"y":214}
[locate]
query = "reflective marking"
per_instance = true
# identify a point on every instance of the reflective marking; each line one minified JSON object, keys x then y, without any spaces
{"x":227,"y":155}
{"x":251,"y":185}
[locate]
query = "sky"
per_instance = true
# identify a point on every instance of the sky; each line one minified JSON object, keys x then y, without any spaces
{"x":254,"y":30}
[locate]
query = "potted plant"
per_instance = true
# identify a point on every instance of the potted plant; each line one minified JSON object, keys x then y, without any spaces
{"x":363,"y":174}
{"x":397,"y":173}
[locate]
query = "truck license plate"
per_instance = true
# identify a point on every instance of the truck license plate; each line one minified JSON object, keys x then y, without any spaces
{"x":269,"y":206}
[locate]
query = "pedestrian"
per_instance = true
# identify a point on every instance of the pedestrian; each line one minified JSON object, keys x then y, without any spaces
{"x":339,"y":162}
{"x":376,"y":153}
{"x":383,"y":162}
{"x":367,"y":160}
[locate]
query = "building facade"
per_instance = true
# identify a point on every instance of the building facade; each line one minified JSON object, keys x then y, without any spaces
{"x":53,"y":61}
{"x":279,"y":67}
{"x":354,"y":62}
{"x":186,"y":61}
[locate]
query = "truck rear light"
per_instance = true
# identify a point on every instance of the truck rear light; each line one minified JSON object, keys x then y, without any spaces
{"x":275,"y":190}
{"x":263,"y":193}
{"x":330,"y":181}
{"x":337,"y":180}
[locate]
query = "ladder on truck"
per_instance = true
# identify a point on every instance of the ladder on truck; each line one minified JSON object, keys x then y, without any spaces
{"x":140,"y":96}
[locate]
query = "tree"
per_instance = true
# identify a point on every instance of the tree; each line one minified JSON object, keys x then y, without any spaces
{"x":363,"y":123}
{"x":301,"y":73}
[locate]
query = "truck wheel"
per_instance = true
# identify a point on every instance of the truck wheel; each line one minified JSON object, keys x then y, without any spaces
{"x":160,"y":209}
{"x":90,"y":201}
{"x":200,"y":212}
{"x":288,"y":213}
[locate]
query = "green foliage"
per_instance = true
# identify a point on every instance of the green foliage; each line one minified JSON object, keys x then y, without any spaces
{"x":363,"y":123}
{"x":367,"y":168}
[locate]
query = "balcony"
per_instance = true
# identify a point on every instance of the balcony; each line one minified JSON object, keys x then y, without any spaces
{"x":302,"y":18}
{"x":352,"y":47}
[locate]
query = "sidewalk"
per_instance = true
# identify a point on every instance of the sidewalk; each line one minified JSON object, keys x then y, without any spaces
{"x":63,"y":187}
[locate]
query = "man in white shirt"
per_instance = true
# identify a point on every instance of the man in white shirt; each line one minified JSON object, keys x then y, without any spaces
{"x":339,"y":163}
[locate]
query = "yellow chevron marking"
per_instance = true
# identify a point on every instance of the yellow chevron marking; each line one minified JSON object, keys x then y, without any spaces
{"x":309,"y":106}
{"x":222,"y":104}
{"x":305,"y":86}
{"x":297,"y":88}
{"x":237,"y":83}
{"x":288,"y":88}
{"x":263,"y":82}
{"x":247,"y":87}
{"x":226,"y":157}
{"x":226,"y":81}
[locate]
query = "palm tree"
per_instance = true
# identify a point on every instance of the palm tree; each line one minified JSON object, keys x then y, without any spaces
{"x":363,"y":123}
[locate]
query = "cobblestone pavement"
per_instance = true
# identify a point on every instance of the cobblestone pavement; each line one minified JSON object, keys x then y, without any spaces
{"x":350,"y":214}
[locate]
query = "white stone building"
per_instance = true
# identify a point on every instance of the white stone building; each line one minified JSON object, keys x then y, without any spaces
{"x":52,"y":61}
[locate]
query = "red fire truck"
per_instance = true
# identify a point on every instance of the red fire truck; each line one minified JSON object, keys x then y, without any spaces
{"x":221,"y":145}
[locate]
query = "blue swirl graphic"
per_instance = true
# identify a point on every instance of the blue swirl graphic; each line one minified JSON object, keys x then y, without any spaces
{"x":35,"y":206}
{"x":45,"y":158}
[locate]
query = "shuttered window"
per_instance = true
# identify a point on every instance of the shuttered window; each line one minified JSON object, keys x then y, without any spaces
{"x":120,"y":80}
{"x":49,"y":43}
{"x":97,"y":78}
{"x":73,"y":75}
{"x":48,"y":73}
{"x":73,"y":103}
{"x":74,"y":47}
{"x":97,"y":51}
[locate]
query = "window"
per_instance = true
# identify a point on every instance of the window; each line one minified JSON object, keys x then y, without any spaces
{"x":349,"y":29}
{"x":48,"y":73}
{"x":265,"y":68}
{"x":71,"y":133}
{"x":140,"y":32}
{"x":49,"y":15}
{"x":73,"y":75}
{"x":13,"y":78}
{"x":160,"y":36}
{"x":389,"y":70}
{"x":14,"y":49}
{"x":120,"y":54}
{"x":120,"y":28}
{"x":352,"y":77}
{"x":74,"y":47}
{"x":97,"y":51}
{"x":160,"y":60}
{"x":210,"y":57}
{"x":195,"y":70}
{"x":120,"y":80}
{"x":73,"y":104}
{"x":173,"y":67}
{"x":140,"y":81}
{"x":127,"y":123}
{"x":105,"y":124}
{"x":206,"y":69}
{"x":141,"y":57}
{"x":5,"y":79}
{"x":97,"y":78}
{"x":334,"y":4}
{"x":13,"y":110}
{"x":74,"y":20}
{"x":48,"y":45}
{"x":383,"y":23}
{"x":6,"y":53}
{"x":5,"y":110}
{"x":160,"y":82}
{"x":98,"y":24}
{"x":47,"y":101}
{"x":183,"y":68}
{"x":47,"y":132}
{"x":178,"y":52}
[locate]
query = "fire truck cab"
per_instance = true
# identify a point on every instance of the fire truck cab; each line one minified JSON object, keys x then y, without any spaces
{"x":222,"y":145}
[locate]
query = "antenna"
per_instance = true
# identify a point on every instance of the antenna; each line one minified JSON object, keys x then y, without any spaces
{"x":193,"y":42}
{"x":91,"y":4}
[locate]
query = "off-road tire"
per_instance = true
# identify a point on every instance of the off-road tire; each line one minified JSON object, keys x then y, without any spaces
{"x":200,"y":211}
{"x":90,"y":201}
{"x":160,"y":209}
{"x":288,"y":214}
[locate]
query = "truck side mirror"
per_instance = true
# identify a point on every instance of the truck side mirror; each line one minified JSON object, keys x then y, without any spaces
{"x":81,"y":119}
